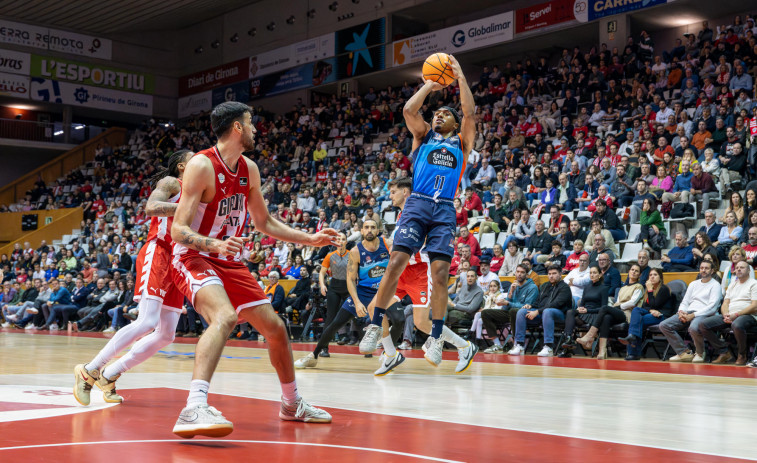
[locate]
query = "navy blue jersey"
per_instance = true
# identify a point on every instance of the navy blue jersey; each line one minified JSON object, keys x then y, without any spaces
{"x":438,"y":166}
{"x":372,"y":264}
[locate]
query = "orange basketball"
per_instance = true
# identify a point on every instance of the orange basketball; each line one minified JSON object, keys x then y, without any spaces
{"x":437,"y":68}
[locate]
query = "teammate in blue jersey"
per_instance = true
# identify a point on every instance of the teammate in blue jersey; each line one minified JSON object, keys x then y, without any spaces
{"x":440,"y":150}
{"x":365,"y":268}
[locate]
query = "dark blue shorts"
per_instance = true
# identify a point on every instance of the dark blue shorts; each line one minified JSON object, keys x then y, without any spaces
{"x":365,"y":295}
{"x":427,"y":221}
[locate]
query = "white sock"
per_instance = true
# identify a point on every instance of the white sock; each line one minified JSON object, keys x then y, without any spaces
{"x":289,"y":392}
{"x":497,"y":342}
{"x":198,"y":393}
{"x":450,"y":336}
{"x":389,"y":349}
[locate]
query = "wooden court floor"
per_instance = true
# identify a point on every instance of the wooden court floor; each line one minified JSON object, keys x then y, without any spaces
{"x":502,"y":408}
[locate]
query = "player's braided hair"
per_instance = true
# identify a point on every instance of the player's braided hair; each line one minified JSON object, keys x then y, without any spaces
{"x":173,"y":167}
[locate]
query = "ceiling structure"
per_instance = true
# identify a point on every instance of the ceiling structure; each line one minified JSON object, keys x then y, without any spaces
{"x":117,"y":16}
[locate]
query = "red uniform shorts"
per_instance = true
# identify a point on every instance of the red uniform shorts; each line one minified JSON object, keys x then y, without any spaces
{"x":155,"y":277}
{"x":415,"y":282}
{"x":194,"y":272}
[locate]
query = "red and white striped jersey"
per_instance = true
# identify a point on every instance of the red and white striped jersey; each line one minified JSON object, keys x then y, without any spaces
{"x":160,"y":227}
{"x":225,"y":215}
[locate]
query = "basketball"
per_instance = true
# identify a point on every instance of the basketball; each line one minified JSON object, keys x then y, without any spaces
{"x":437,"y":68}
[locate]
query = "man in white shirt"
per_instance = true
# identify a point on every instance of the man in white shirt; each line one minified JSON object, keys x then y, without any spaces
{"x":664,"y":112}
{"x":487,"y":276}
{"x":281,"y":251}
{"x":701,"y":300}
{"x":578,"y":278}
{"x":738,"y":311}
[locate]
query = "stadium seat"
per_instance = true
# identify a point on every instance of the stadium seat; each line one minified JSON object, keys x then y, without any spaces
{"x":488,"y":240}
{"x":630,"y":252}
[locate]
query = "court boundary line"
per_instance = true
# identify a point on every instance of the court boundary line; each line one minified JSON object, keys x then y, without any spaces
{"x":549,"y":433}
{"x":243,"y":441}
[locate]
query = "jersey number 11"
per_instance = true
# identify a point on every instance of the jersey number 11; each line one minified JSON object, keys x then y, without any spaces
{"x":439,"y":182}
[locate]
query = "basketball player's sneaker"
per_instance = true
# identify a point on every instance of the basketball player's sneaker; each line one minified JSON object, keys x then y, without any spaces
{"x":303,"y":411}
{"x":388,"y":363}
{"x":202,"y":420}
{"x":427,"y":344}
{"x":466,"y":355}
{"x":370,"y":341}
{"x":434,"y":352}
{"x":308,"y":361}
{"x":108,"y":386}
{"x":84,"y":380}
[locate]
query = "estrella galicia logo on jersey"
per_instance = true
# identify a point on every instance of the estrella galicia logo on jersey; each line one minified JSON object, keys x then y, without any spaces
{"x":243,"y":181}
{"x":221,"y":178}
{"x":443,"y":158}
{"x":376,"y":272}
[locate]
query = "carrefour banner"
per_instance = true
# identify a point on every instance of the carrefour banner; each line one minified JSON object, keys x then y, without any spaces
{"x":91,"y":74}
{"x":467,"y":36}
{"x":589,"y":10}
{"x":54,"y":39}
{"x":307,"y":75}
{"x":87,"y":96}
{"x":14,"y":85}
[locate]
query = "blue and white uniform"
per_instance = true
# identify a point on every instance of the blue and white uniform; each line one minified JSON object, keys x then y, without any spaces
{"x":429,"y":214}
{"x":371,"y":269}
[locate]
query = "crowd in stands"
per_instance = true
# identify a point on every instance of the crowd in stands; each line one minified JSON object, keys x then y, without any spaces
{"x":584,"y":163}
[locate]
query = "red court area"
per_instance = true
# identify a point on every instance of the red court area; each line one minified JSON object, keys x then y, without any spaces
{"x":139,"y":430}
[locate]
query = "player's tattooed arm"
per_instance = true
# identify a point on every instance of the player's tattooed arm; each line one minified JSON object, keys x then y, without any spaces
{"x":196,"y":241}
{"x":157,"y":204}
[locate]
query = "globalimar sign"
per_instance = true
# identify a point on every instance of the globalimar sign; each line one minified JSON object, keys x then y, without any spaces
{"x":467,"y":36}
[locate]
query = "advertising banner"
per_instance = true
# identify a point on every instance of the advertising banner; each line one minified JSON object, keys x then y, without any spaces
{"x":53,"y":39}
{"x":467,"y":36}
{"x":87,"y":96}
{"x":543,"y":15}
{"x":15,"y":62}
{"x":91,"y":74}
{"x":14,"y":85}
{"x":308,"y":75}
{"x":215,"y":77}
{"x":589,"y":10}
{"x":361,"y":36}
{"x":195,"y":104}
{"x":235,"y":92}
{"x":361,"y":62}
{"x":286,"y":57}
